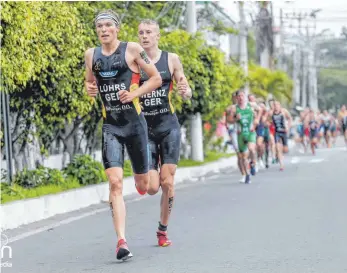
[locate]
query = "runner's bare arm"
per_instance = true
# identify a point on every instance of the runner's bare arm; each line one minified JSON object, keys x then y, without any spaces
{"x":88,"y":57}
{"x":144,"y":62}
{"x":230,"y":114}
{"x":178,"y":74}
{"x":258,"y":112}
{"x":90,"y":81}
{"x":289,"y":118}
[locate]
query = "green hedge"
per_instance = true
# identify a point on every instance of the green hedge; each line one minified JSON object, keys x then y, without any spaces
{"x":83,"y":170}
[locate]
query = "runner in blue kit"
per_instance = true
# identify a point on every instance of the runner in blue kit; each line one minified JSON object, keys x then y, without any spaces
{"x":112,"y":70}
{"x":163,"y":127}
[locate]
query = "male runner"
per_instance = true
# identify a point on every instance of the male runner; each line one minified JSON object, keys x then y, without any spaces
{"x":343,"y":121}
{"x":113,"y":71}
{"x":313,"y":124}
{"x":265,"y":118}
{"x":326,"y":122}
{"x":279,"y":117}
{"x":301,"y":130}
{"x":272,"y":132}
{"x":260,"y":129}
{"x":262,"y":135}
{"x":333,"y":129}
{"x":246,"y":139}
{"x":232,"y":130}
{"x":164,"y":131}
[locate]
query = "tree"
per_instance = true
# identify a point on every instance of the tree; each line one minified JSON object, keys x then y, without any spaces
{"x":42,"y":68}
{"x":263,"y":81}
{"x":332,"y":87}
{"x":332,"y":75}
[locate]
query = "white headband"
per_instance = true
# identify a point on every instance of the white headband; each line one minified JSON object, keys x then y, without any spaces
{"x":107,"y":16}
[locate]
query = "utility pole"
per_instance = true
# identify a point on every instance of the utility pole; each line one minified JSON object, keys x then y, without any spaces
{"x":195,"y":120}
{"x":265,"y":38}
{"x":243,"y":50}
{"x":281,"y":55}
{"x":313,"y":67}
{"x":304,"y":79}
{"x":296,"y":75}
{"x":5,"y":103}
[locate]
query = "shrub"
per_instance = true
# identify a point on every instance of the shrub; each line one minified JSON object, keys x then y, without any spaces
{"x":38,"y":177}
{"x":86,"y":170}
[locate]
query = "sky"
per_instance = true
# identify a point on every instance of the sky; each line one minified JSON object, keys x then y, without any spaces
{"x":333,"y":14}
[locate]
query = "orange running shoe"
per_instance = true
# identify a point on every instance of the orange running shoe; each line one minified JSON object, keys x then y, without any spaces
{"x":139,"y":191}
{"x":163,"y":240}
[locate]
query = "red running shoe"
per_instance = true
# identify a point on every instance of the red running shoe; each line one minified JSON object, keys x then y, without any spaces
{"x":122,"y":251}
{"x":162,"y":239}
{"x":139,"y":191}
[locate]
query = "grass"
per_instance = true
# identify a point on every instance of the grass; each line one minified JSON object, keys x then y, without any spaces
{"x":16,"y":192}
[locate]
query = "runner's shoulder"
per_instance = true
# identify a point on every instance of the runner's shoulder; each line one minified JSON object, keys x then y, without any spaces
{"x":174,"y":58}
{"x":89,"y":52}
{"x":134,"y":47}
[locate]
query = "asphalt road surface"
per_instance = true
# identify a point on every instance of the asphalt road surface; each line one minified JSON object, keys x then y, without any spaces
{"x":291,"y":221}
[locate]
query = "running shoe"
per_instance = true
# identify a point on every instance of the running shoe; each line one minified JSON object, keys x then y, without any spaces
{"x":243,"y":179}
{"x":163,"y":240}
{"x":122,"y":251}
{"x":253,"y":169}
{"x":139,"y":191}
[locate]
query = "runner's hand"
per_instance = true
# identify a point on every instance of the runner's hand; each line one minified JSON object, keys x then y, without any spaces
{"x":126,"y":96}
{"x":92,"y":89}
{"x":183,"y":89}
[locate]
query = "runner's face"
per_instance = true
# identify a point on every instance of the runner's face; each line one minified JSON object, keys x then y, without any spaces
{"x":277,"y":106}
{"x":343,"y":108}
{"x":106,"y":30}
{"x":272,"y":105}
{"x":148,"y":35}
{"x":241,"y":98}
{"x":234,"y":99}
{"x":251,"y":98}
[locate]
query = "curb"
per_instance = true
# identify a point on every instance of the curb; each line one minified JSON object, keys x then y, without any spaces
{"x":23,"y":212}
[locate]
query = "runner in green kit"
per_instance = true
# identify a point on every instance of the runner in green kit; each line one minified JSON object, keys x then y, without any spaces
{"x":246,"y":138}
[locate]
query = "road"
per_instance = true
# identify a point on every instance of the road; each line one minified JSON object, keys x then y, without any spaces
{"x":291,"y":221}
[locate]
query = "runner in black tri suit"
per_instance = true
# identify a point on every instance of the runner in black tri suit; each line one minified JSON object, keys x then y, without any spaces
{"x":112,"y":70}
{"x":163,"y":127}
{"x":279,"y":117}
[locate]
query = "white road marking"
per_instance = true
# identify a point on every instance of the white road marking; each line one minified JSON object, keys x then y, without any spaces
{"x":295,"y":160}
{"x":316,"y":160}
{"x":65,"y":221}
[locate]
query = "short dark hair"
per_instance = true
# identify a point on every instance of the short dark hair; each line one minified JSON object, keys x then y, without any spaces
{"x":241,"y":90}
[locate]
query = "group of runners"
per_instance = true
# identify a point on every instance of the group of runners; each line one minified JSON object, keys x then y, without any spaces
{"x":135,"y":83}
{"x":256,"y":132}
{"x":318,"y":128}
{"x":259,"y":131}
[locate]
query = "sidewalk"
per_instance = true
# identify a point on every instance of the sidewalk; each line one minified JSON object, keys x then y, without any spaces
{"x":23,"y":212}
